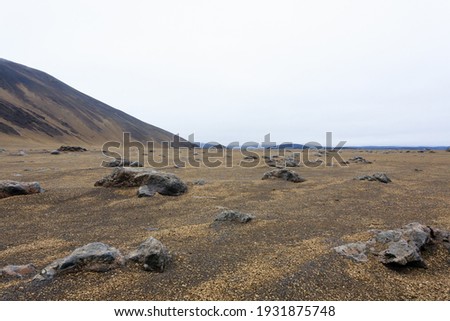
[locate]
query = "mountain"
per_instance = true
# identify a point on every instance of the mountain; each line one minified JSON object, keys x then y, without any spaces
{"x":37,"y":107}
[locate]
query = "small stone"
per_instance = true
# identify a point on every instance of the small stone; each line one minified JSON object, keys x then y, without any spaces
{"x":233,"y":216}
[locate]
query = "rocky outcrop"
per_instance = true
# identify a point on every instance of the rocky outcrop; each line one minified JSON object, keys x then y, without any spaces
{"x":12,"y":188}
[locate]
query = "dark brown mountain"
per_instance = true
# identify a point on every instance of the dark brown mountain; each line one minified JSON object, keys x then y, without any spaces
{"x":37,"y":107}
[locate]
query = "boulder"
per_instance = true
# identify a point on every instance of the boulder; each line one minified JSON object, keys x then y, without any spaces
{"x":72,"y":149}
{"x":17,"y":271}
{"x":12,"y":188}
{"x":125,"y":177}
{"x":359,"y":160}
{"x":233,"y":216}
{"x":94,"y":257}
{"x":55,"y":152}
{"x":150,"y":181}
{"x":152,"y":254}
{"x":117,"y":163}
{"x":165,"y":184}
{"x":284,"y":174}
{"x":402,"y":246}
{"x":380,"y":177}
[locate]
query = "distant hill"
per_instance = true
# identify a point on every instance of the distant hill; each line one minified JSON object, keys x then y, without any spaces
{"x":37,"y":107}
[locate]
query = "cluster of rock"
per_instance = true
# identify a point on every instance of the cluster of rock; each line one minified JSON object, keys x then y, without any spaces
{"x":71,"y":149}
{"x":380,"y":177}
{"x":122,"y":163}
{"x":151,"y":255}
{"x":358,"y":160}
{"x":12,"y":188}
{"x":284,"y":174}
{"x":149,"y":182}
{"x":401,"y":246}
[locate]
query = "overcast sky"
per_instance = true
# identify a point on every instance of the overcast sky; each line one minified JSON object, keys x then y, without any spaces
{"x":371,"y":72}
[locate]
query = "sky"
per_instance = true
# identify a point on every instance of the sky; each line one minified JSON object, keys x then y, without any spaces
{"x":370,"y":72}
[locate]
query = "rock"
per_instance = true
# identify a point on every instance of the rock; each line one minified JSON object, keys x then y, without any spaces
{"x":125,"y":177}
{"x":284,"y":174}
{"x":165,"y":184}
{"x":18,"y":271}
{"x":150,"y":181}
{"x":72,"y":149}
{"x":251,"y":157}
{"x":55,"y":152}
{"x":359,"y":159}
{"x":12,"y":188}
{"x":199,"y":182}
{"x":401,"y":253}
{"x":152,"y":254}
{"x":380,"y":177}
{"x":118,"y":163}
{"x":233,"y":216}
{"x":402,"y":246}
{"x":95,"y":257}
{"x":356,"y":251}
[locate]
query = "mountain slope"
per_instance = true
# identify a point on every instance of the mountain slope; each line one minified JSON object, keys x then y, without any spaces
{"x":37,"y":107}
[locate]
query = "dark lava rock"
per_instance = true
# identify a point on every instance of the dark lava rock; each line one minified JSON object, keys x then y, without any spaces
{"x":399,"y":247}
{"x":284,"y":174}
{"x":233,"y":216}
{"x":150,"y":181}
{"x":359,"y":160}
{"x":17,"y":271}
{"x":380,"y":177}
{"x":55,"y":152}
{"x":72,"y":149}
{"x":12,"y":188}
{"x":152,"y":254}
{"x":122,"y":163}
{"x":164,"y":184}
{"x":125,"y":177}
{"x":95,"y":257}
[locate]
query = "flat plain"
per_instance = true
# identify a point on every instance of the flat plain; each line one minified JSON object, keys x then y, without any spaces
{"x":285,"y":253}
